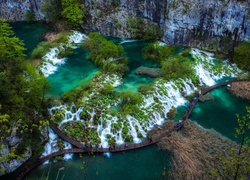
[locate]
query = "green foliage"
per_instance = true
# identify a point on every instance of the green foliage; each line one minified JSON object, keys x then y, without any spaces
{"x":73,"y":12}
{"x":130,"y":101}
{"x":142,"y":29}
{"x":41,"y":49}
{"x":11,"y":47}
{"x":52,"y":9}
{"x":145,"y":88}
{"x":242,"y":55}
{"x":236,"y":164}
{"x":115,"y":3}
{"x":106,"y":54}
{"x":29,"y":16}
{"x":22,"y":91}
{"x":172,"y":112}
{"x":62,"y":38}
{"x":177,"y":67}
{"x":157,"y":53}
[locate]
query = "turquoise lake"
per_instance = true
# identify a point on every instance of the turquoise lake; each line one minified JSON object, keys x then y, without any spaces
{"x":146,"y":163}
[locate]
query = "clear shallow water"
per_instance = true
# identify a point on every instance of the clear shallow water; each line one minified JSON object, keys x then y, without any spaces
{"x":76,"y":69}
{"x":134,"y":54}
{"x":146,"y":163}
{"x":219,"y":113}
{"x":31,"y":34}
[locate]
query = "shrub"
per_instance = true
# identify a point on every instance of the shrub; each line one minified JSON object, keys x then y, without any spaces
{"x":41,"y":49}
{"x":157,"y":53}
{"x":177,"y":67}
{"x":29,"y":16}
{"x":145,"y":88}
{"x":142,"y":29}
{"x":242,"y":55}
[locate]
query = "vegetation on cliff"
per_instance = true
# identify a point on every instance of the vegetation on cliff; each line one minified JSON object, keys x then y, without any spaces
{"x":22,"y":90}
{"x":242,"y":56}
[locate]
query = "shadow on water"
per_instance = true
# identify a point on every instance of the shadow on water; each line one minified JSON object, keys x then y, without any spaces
{"x":146,"y":163}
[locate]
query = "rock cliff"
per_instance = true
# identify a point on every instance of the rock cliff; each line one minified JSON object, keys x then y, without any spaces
{"x":209,"y":24}
{"x":15,"y":10}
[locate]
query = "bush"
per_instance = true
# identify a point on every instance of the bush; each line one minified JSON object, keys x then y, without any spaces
{"x":62,"y":38}
{"x":177,"y":67}
{"x":29,"y":16}
{"x":157,"y":53}
{"x":130,"y":101}
{"x":106,"y":54}
{"x":145,"y":88}
{"x":142,"y":29}
{"x":41,"y":49}
{"x":242,"y":56}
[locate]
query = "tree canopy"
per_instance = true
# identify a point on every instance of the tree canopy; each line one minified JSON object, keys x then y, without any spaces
{"x":73,"y":12}
{"x":22,"y":90}
{"x":242,"y":55}
{"x":157,"y":52}
{"x":176,"y":67}
{"x":106,"y":54}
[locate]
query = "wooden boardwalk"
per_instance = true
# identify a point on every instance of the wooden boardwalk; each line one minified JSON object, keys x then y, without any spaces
{"x":79,"y":148}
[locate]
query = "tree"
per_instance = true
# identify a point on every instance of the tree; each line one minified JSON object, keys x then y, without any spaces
{"x":73,"y":12}
{"x":176,"y":67}
{"x":106,"y":54}
{"x":11,"y":47}
{"x":242,"y":55}
{"x":22,"y":90}
{"x":30,"y":16}
{"x":144,"y":29}
{"x":157,"y":52}
{"x":236,"y":165}
{"x":52,"y":9}
{"x":130,"y":101}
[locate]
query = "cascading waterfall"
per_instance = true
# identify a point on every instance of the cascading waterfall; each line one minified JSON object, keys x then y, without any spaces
{"x":167,"y":93}
{"x":51,"y":146}
{"x":70,"y":114}
{"x":51,"y":61}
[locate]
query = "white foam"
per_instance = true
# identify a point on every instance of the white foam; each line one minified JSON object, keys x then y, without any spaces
{"x":51,"y":61}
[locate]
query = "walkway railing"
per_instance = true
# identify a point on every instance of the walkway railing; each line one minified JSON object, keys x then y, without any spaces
{"x":80,"y":149}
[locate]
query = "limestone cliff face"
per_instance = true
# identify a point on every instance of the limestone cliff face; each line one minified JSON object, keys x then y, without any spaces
{"x":15,"y":10}
{"x":210,"y":24}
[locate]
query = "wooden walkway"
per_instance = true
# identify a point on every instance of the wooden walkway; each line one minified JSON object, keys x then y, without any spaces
{"x":79,"y":148}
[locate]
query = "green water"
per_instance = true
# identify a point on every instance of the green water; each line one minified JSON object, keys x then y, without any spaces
{"x":219,"y":113}
{"x":31,"y":34}
{"x":76,"y":70}
{"x":146,"y":163}
{"x":134,"y":54}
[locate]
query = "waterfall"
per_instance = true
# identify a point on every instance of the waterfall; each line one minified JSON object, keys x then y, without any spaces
{"x":156,"y":104}
{"x":51,"y":146}
{"x":51,"y":61}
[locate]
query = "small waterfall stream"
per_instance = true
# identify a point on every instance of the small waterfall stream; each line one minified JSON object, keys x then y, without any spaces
{"x":168,"y":94}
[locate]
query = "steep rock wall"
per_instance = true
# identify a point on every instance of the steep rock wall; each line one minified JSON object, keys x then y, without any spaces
{"x":210,"y":24}
{"x":15,"y":10}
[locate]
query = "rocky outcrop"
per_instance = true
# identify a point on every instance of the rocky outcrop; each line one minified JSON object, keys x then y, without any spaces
{"x":206,"y":97}
{"x":10,"y":166}
{"x":9,"y":162}
{"x":151,"y":72}
{"x":213,"y":25}
{"x":15,"y":10}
